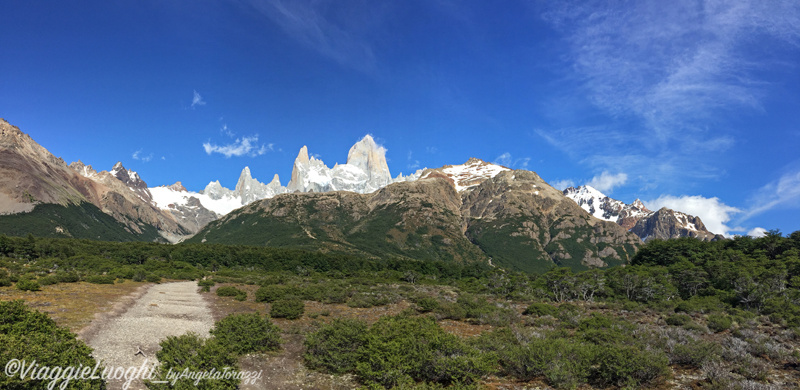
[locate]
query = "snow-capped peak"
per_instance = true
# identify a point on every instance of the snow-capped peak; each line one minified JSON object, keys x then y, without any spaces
{"x":601,"y":206}
{"x":365,"y":171}
{"x":470,"y":174}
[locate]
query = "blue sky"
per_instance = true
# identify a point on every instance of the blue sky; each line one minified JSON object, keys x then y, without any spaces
{"x":687,"y":104}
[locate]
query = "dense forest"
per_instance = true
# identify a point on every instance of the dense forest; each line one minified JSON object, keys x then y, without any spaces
{"x":729,"y":309}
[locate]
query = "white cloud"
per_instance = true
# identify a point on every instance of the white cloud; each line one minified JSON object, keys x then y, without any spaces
{"x":714,"y":213}
{"x":508,"y":161}
{"x":673,"y":71}
{"x":606,"y":182}
{"x":757,"y":232}
{"x":562,"y":184}
{"x":138,"y":155}
{"x":245,"y":146}
{"x":197,"y":100}
{"x":412,"y":163}
{"x":431,"y":149}
{"x":784,"y":192}
{"x":313,"y":25}
{"x":225,"y":131}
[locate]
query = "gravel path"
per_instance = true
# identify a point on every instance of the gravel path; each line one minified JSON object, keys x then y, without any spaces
{"x":168,"y":309}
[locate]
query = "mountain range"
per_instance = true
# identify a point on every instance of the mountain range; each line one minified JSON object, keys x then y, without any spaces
{"x":472,"y":211}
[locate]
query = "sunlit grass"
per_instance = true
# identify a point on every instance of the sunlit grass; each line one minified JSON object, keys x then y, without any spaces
{"x":72,"y":304}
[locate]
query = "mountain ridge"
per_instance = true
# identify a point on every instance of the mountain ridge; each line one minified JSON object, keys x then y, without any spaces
{"x":635,"y":217}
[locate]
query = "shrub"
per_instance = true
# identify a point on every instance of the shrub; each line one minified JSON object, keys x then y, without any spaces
{"x":152,"y":278}
{"x":337,"y":295}
{"x":47,"y":280}
{"x":5,"y":282}
{"x":400,"y":350}
{"x":270,"y":294}
{"x":100,"y":279}
{"x":31,"y":336}
{"x":678,"y":320}
{"x":67,"y":277}
{"x":601,"y":329}
{"x":563,"y":362}
{"x":449,"y":310}
{"x":367,"y":300}
{"x":629,"y":366}
{"x":193,"y":353}
{"x":719,"y":322}
{"x":231,"y":291}
{"x":334,"y":347}
{"x":291,"y":309}
{"x":28,"y":285}
{"x":541,"y":309}
{"x":694,"y":353}
{"x":247,"y":333}
{"x":427,"y":304}
{"x":205,"y":285}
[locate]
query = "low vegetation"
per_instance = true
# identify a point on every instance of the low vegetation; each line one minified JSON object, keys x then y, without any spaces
{"x":709,"y":315}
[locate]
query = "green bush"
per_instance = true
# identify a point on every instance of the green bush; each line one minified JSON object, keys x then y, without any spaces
{"x":191,"y":352}
{"x":367,"y":300}
{"x":205,"y":284}
{"x":67,"y":277}
{"x":449,"y":310}
{"x":427,"y":304}
{"x":152,"y":278}
{"x":564,"y":363}
{"x":28,"y":285}
{"x":231,"y":291}
{"x":31,"y":336}
{"x":247,"y":333}
{"x":100,"y":279}
{"x":678,"y":320}
{"x":629,"y":365}
{"x":401,"y":350}
{"x":541,"y":309}
{"x":334,"y":347}
{"x":694,"y":353}
{"x":270,"y":294}
{"x":47,"y":280}
{"x":337,"y":295}
{"x":602,"y":329}
{"x":291,"y":309}
{"x":5,"y":282}
{"x":719,"y":322}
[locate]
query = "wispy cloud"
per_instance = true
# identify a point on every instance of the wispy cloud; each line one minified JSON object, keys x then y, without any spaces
{"x":606,"y":182}
{"x":197,"y":100}
{"x":509,"y":161}
{"x":226,"y":131}
{"x":783,"y":192}
{"x":664,"y":75}
{"x":714,"y":213}
{"x":139,"y":155}
{"x":311,"y":24}
{"x":245,"y":146}
{"x":562,"y":184}
{"x":412,"y":163}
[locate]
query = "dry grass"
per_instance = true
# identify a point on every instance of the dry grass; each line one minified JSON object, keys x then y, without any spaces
{"x":72,"y":305}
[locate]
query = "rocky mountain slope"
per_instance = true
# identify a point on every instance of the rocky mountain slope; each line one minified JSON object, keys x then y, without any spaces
{"x":366,"y":171}
{"x":474,"y":211}
{"x":31,"y":176}
{"x":662,"y":224}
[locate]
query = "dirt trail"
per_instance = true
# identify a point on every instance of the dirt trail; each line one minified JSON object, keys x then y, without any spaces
{"x":169,"y":309}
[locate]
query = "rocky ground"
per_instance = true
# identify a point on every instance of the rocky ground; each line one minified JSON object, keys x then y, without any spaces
{"x":159,"y":311}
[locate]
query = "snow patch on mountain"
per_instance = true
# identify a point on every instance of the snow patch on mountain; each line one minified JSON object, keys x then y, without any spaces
{"x":167,"y":198}
{"x":470,"y":174}
{"x":366,"y":171}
